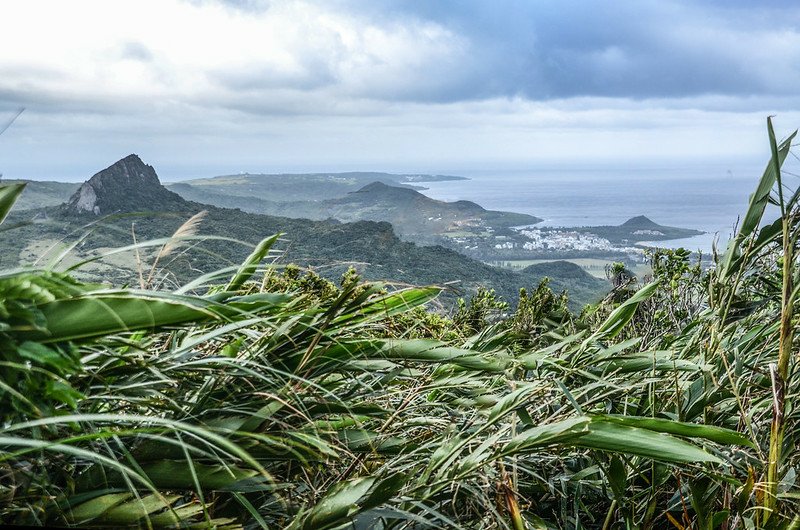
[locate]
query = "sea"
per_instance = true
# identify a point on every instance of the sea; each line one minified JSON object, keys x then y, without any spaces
{"x":711,"y":199}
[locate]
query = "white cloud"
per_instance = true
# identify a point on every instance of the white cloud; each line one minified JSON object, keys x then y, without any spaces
{"x":203,"y":87}
{"x":136,"y":51}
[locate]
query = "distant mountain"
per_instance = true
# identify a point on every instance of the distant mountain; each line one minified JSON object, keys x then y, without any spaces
{"x":640,"y":228}
{"x":567,"y":276}
{"x":128,"y":185}
{"x":247,"y":204}
{"x":291,"y":187}
{"x":640,"y":222}
{"x":41,"y":193}
{"x":414,"y":216}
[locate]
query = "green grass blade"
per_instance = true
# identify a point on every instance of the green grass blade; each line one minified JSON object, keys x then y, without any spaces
{"x":688,"y":430}
{"x":616,"y":438}
{"x":8,"y":196}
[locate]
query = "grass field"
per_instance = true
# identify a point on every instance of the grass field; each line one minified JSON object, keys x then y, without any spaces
{"x":594,"y":266}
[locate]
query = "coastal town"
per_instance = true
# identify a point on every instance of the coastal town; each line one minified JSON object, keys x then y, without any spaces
{"x":530,"y":242}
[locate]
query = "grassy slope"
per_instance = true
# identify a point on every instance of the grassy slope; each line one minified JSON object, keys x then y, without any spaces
{"x":372,"y":247}
{"x":39,"y":194}
{"x":302,"y":187}
{"x":414,"y":216}
{"x":566,"y":276}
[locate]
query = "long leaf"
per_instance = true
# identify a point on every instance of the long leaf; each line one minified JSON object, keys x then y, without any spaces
{"x":101,"y":314}
{"x":250,"y":265}
{"x":731,"y":261}
{"x":339,"y":504}
{"x":688,"y":430}
{"x":611,"y":436}
{"x":8,"y":196}
{"x":622,"y":314}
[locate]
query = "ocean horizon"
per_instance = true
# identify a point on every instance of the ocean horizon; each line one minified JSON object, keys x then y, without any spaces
{"x":710,"y":199}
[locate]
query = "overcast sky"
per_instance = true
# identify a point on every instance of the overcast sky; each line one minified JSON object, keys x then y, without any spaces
{"x":200,"y":88}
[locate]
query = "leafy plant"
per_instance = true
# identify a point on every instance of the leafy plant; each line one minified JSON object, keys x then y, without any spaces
{"x":263,"y":395}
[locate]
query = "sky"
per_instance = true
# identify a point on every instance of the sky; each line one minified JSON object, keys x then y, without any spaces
{"x":207,"y":87}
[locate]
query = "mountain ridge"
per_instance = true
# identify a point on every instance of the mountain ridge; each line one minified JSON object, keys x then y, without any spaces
{"x":414,"y":215}
{"x":641,"y":222}
{"x":127,"y":185}
{"x":372,"y":247}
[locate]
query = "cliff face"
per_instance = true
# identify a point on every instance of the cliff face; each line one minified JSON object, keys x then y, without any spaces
{"x":128,"y":185}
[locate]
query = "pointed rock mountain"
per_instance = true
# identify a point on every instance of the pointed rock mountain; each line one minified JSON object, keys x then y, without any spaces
{"x":639,"y":228}
{"x":128,"y":185}
{"x":641,"y":222}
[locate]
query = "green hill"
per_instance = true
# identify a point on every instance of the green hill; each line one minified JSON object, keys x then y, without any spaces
{"x":128,"y":188}
{"x":567,"y":276}
{"x":414,"y":216}
{"x":42,"y":193}
{"x":289,"y":187}
{"x":640,"y":228}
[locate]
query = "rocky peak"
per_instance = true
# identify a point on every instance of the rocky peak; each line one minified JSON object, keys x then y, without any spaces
{"x":641,"y":222}
{"x":128,"y":185}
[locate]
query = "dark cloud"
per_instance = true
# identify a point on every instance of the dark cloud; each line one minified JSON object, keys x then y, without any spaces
{"x":633,"y":49}
{"x":432,"y":83}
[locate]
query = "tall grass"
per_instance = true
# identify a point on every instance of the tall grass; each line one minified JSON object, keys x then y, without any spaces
{"x":269,"y":397}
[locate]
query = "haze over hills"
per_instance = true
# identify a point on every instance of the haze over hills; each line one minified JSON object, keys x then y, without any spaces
{"x":504,"y":239}
{"x":130,"y":187}
{"x":461,"y":226}
{"x":413,"y":215}
{"x":42,"y":193}
{"x":290,"y":187}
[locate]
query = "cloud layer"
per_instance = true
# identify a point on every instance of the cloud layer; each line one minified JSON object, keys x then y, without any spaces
{"x":204,"y":85}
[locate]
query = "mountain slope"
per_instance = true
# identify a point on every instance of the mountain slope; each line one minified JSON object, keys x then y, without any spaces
{"x":414,"y":216}
{"x":290,"y":187}
{"x":42,"y":193}
{"x":128,"y":185}
{"x":567,"y":276}
{"x":640,"y":222}
{"x":640,"y":228}
{"x":372,"y":247}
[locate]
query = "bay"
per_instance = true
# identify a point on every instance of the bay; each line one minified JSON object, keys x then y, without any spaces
{"x":708,"y":198}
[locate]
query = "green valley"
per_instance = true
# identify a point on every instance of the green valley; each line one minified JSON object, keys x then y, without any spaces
{"x":127,"y":200}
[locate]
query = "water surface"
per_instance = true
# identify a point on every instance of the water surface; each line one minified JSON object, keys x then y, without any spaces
{"x":708,"y":198}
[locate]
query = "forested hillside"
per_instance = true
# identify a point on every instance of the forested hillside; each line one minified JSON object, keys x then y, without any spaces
{"x":126,"y":201}
{"x":264,"y":396}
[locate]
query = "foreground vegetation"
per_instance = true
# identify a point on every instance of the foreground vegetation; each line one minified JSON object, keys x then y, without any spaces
{"x":265,"y":396}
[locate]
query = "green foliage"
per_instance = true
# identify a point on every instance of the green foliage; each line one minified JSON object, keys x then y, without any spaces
{"x":265,"y":395}
{"x":540,"y":311}
{"x":483,"y":308}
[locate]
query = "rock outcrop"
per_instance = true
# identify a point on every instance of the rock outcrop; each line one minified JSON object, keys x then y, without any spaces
{"x":128,"y":185}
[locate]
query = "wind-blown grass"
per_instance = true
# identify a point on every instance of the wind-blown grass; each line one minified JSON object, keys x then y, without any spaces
{"x":269,"y":397}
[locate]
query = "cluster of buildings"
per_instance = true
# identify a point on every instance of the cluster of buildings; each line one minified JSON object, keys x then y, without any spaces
{"x":554,"y":240}
{"x":563,"y":240}
{"x":506,"y":245}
